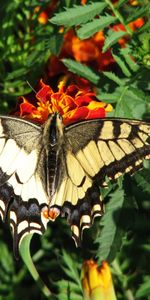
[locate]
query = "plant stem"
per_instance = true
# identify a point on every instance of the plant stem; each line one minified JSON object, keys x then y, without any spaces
{"x":129,"y":295}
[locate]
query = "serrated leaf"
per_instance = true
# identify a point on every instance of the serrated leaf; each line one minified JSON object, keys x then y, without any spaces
{"x":71,"y":287}
{"x":130,"y":102}
{"x":112,"y":38}
{"x":129,"y":60}
{"x":78,"y":14}
{"x":122,"y":65}
{"x":142,"y":180}
{"x":107,"y":97}
{"x":111,"y":235}
{"x":71,"y":269}
{"x":112,"y":76}
{"x":94,"y":26}
{"x":81,"y":70}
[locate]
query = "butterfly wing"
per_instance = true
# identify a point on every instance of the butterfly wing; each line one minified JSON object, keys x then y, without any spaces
{"x":22,"y":191}
{"x":93,"y":150}
{"x":90,"y":151}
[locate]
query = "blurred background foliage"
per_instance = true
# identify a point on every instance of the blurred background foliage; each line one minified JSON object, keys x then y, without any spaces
{"x":123,"y":235}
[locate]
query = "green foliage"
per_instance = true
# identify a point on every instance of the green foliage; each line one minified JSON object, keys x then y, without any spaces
{"x":126,"y":56}
{"x":138,"y":12}
{"x":142,"y":180}
{"x":81,"y":70}
{"x":21,"y":59}
{"x":122,"y":65}
{"x":144,"y":289}
{"x":78,"y":14}
{"x":71,"y":287}
{"x":88,"y":29}
{"x":113,"y":77}
{"x":112,"y":38}
{"x":110,"y":238}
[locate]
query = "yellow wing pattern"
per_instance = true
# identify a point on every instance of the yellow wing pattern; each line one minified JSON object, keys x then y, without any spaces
{"x":96,"y":149}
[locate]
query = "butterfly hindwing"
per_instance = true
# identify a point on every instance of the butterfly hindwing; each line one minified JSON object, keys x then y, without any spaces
{"x":99,"y":148}
{"x":21,"y":186}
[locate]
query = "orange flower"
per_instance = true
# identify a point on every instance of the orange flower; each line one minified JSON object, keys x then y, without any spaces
{"x":133,"y":25}
{"x":89,"y":51}
{"x":72,"y":103}
{"x":97,"y":281}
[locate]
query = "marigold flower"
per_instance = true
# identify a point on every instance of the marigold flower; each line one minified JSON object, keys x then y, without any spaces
{"x":89,"y":51}
{"x":133,"y":26}
{"x":97,"y":281}
{"x":71,"y":102}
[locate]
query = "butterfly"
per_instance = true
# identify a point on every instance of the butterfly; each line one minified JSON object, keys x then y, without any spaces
{"x":49,"y":170}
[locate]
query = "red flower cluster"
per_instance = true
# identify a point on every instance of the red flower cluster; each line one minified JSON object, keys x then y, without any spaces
{"x":88,"y":51}
{"x":71,"y":102}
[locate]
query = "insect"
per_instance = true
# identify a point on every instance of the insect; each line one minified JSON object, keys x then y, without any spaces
{"x":50,"y":169}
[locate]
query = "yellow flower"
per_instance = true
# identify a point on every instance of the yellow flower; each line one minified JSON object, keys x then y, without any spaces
{"x":97,"y":281}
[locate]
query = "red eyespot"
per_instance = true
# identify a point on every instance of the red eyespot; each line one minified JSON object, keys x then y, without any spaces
{"x":50,"y":213}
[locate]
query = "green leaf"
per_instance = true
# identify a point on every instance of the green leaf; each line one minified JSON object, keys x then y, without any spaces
{"x":107,"y":97}
{"x":6,"y":262}
{"x":70,"y":268}
{"x":81,"y":70}
{"x":111,"y":235}
{"x":54,"y":43}
{"x":130,"y":102}
{"x":143,"y":290}
{"x":142,"y":180}
{"x":112,"y":76}
{"x":112,"y":38}
{"x":87,"y":30}
{"x":122,"y":65}
{"x":17,"y":73}
{"x":78,"y":14}
{"x":71,"y":287}
{"x":138,"y":13}
{"x":128,"y":58}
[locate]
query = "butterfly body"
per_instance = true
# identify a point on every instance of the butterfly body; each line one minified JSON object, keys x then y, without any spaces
{"x":52,"y":169}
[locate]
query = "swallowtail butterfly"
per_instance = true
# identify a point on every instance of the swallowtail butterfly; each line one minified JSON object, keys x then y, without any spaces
{"x":51,"y":169}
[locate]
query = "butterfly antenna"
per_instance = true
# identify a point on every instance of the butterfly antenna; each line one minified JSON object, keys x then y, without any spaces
{"x":31,"y":87}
